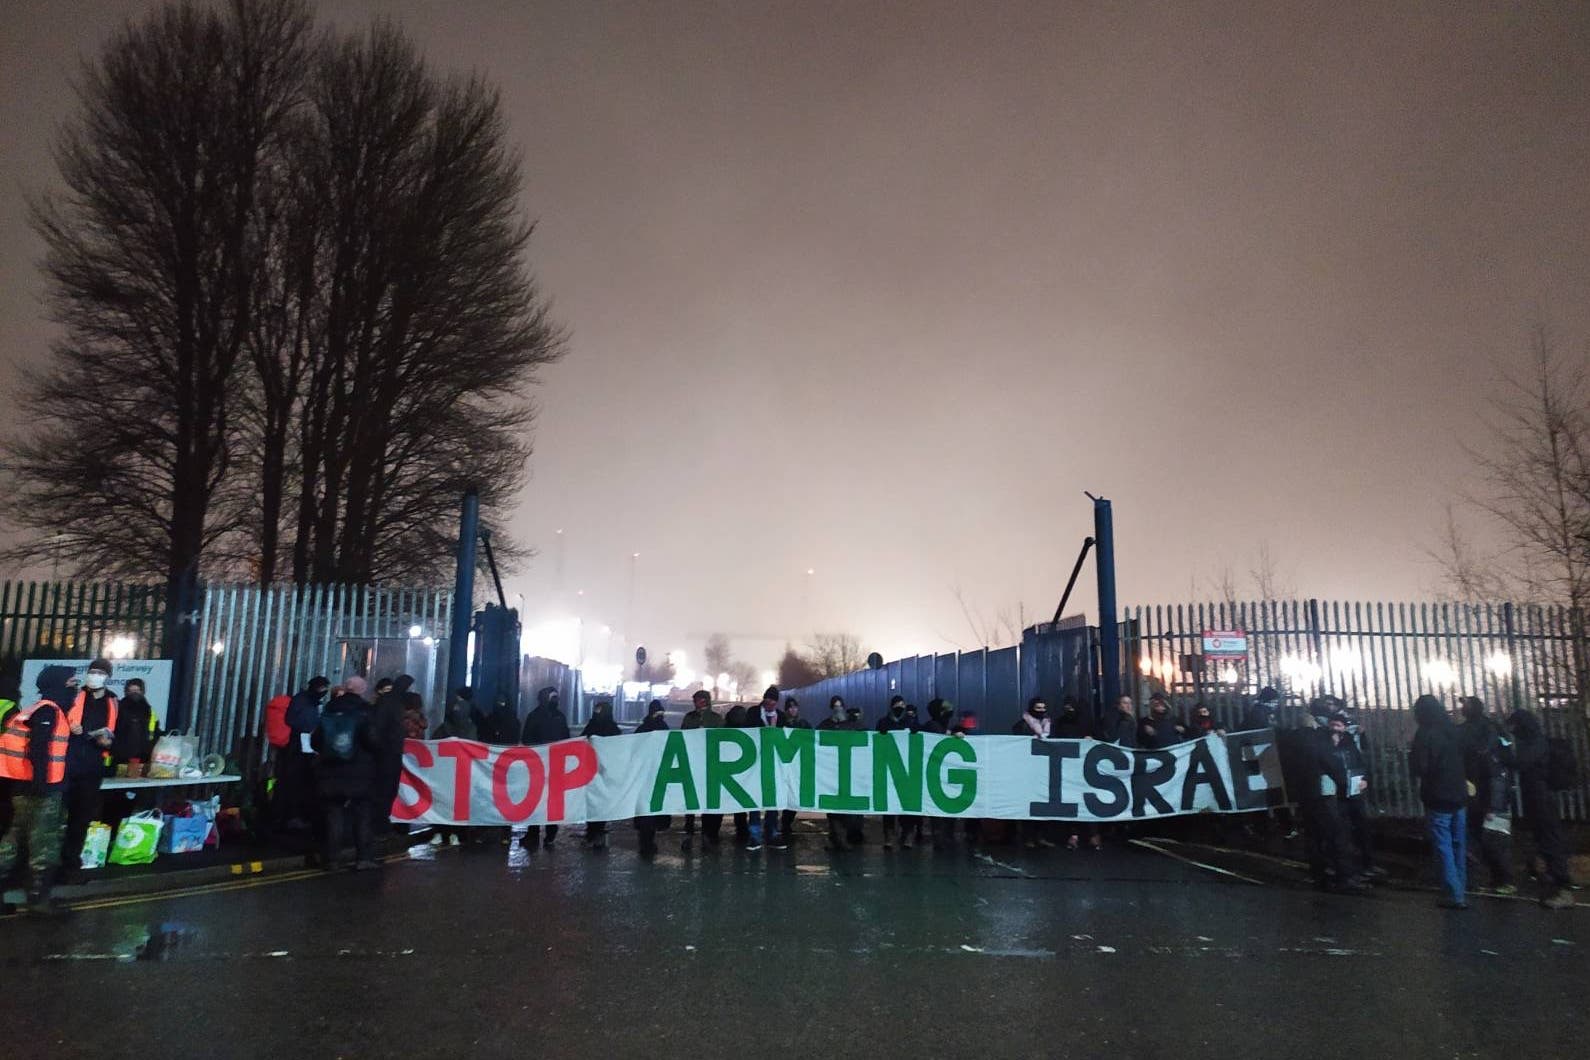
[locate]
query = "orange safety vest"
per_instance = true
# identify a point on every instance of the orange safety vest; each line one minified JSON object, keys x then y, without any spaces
{"x":14,"y":761}
{"x":75,"y":715}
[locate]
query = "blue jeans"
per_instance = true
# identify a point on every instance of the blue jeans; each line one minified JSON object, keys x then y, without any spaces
{"x":1449,"y":838}
{"x":767,"y":832}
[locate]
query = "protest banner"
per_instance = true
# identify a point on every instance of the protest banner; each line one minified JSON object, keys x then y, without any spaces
{"x":725,"y":770}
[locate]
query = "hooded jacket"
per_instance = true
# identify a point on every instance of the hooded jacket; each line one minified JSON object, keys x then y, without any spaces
{"x":1530,"y":755}
{"x":1070,"y":725}
{"x":1307,"y":760}
{"x":601,"y":724}
{"x":546,"y":723}
{"x":657,"y":722}
{"x":43,"y":725}
{"x":1436,"y":760}
{"x":459,"y":724}
{"x":1483,"y":765}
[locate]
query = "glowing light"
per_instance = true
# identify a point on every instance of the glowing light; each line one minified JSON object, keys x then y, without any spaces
{"x":121,"y":647}
{"x":1499,"y":664}
{"x":416,"y":632}
{"x":661,"y":691}
{"x":601,"y":678}
{"x":769,"y":677}
{"x":636,"y":689}
{"x":1146,"y":665}
{"x":1345,"y":659}
{"x":723,"y":681}
{"x":430,"y":642}
{"x":557,"y":638}
{"x":809,"y":570}
{"x":1440,"y":673}
{"x":1300,"y":671}
{"x":1229,"y":675}
{"x":218,"y":647}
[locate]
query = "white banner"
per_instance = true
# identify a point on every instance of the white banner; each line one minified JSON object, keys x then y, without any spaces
{"x":831,"y":771}
{"x":155,"y":674}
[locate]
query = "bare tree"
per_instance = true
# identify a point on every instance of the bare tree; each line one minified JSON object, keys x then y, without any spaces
{"x":1222,"y":584}
{"x":1537,"y":475}
{"x":152,"y":250}
{"x":1005,"y":627}
{"x":1467,"y":575}
{"x":716,"y":654}
{"x":796,"y":671}
{"x":299,"y":317}
{"x":1265,"y":573}
{"x":431,"y":328}
{"x":655,"y":671}
{"x":835,"y":654}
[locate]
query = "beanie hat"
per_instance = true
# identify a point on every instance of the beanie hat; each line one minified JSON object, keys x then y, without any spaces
{"x":1269,"y":695}
{"x":102,"y":665}
{"x":771,"y":693}
{"x":356,"y":685}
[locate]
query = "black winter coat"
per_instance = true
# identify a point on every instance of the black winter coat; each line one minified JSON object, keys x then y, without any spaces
{"x":601,"y":725}
{"x":1436,"y":760}
{"x":545,"y":724}
{"x":1117,"y":728}
{"x":354,"y":778}
{"x":1307,"y":758}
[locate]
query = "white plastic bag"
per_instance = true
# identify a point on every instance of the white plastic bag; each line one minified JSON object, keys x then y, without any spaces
{"x":172,"y":754}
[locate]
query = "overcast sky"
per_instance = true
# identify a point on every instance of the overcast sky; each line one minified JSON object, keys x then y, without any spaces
{"x":877,"y":290}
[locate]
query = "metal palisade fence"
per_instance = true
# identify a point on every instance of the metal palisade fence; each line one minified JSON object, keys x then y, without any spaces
{"x":67,"y":620}
{"x":255,"y":643}
{"x":1378,"y":658}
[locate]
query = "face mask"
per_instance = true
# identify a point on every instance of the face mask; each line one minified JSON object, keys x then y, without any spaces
{"x":897,"y":711}
{"x":94,"y":680}
{"x":132,"y":693}
{"x":837,"y":713}
{"x":552,"y":702}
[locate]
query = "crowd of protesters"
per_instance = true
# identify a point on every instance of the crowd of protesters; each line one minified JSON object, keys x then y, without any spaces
{"x":336,"y":762}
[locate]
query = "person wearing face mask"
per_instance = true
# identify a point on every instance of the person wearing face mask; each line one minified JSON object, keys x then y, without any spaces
{"x":906,"y":827}
{"x":293,"y":802}
{"x":646,"y":827}
{"x":702,"y":716}
{"x":1071,"y":724}
{"x":840,"y":828}
{"x":600,"y":725}
{"x":1158,"y":730}
{"x":543,"y":725}
{"x":135,"y":725}
{"x":1034,"y":724}
{"x":92,"y":720}
{"x":33,"y":754}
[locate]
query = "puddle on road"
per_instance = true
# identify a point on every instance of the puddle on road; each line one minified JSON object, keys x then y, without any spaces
{"x":164,"y":941}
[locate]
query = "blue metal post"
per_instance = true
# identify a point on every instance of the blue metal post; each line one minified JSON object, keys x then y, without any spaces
{"x":1109,"y":626}
{"x":463,"y":594}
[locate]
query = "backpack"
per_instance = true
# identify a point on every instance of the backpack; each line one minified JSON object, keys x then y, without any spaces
{"x":339,"y":734}
{"x":277,"y":730}
{"x":1562,"y":770}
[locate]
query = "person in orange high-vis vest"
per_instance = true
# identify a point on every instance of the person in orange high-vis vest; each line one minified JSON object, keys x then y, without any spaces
{"x":33,"y":742}
{"x":92,"y":718}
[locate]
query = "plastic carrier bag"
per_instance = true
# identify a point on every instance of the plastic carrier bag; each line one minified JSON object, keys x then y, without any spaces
{"x":137,"y":840}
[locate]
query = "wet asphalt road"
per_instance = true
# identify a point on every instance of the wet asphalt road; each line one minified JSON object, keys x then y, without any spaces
{"x":576,"y":954}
